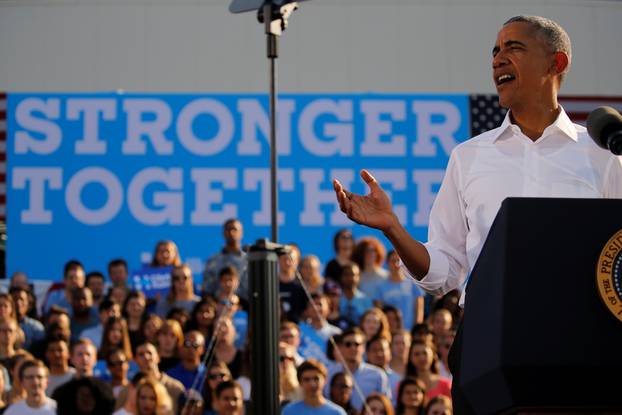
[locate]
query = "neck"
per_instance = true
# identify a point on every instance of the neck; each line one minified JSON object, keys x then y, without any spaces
{"x":83,"y":374}
{"x":532,"y":119}
{"x":59,"y":369}
{"x":348,"y":292}
{"x":183,"y":295}
{"x":287,"y":277}
{"x":343,"y":257}
{"x":190,"y":364}
{"x":7,"y":350}
{"x":232,"y":247}
{"x":316,"y":323}
{"x":35,"y":401}
{"x":353,"y":365}
{"x":119,"y":381}
{"x":315,"y":400}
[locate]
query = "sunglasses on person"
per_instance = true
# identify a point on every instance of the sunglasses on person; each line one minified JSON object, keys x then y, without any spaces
{"x":284,"y":358}
{"x":180,"y":277}
{"x":194,"y":345}
{"x":349,"y":343}
{"x":214,"y":376}
{"x":115,"y":363}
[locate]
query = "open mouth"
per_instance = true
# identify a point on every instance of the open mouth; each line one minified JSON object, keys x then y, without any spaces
{"x":504,"y":79}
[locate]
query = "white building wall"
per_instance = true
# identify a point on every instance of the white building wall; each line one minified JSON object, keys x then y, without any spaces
{"x":331,"y":45}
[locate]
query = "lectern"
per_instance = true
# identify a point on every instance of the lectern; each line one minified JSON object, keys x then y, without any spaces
{"x":537,"y":337}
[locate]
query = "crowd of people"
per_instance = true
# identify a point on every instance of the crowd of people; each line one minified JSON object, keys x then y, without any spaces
{"x":357,"y":336}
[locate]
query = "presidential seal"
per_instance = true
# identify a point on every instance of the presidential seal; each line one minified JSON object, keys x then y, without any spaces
{"x":609,"y":275}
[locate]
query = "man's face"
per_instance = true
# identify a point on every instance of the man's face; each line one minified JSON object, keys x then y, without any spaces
{"x":352,"y":347}
{"x":118,"y":275}
{"x":83,"y":359}
{"x":97,"y":287}
{"x":290,"y":336}
{"x":230,"y":402}
{"x":74,"y":278}
{"x":379,"y":353}
{"x":8,"y":332}
{"x":233,"y":233}
{"x":193,"y":347}
{"x":146,"y":357}
{"x":350,"y":277}
{"x":229,"y":283}
{"x":81,"y":301}
{"x":520,"y":53}
{"x":35,"y":380}
{"x":57,"y":353}
{"x":114,"y":311}
{"x":312,"y":383}
{"x":21,"y":303}
{"x":288,"y":263}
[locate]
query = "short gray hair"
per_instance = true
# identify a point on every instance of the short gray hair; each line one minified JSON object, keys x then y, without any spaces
{"x":554,"y":36}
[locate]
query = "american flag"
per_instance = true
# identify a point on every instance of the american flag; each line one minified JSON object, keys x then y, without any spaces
{"x":486,"y":113}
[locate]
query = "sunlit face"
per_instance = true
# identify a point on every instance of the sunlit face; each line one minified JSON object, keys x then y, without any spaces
{"x":167,"y":341}
{"x":146,"y":400}
{"x":520,"y":53}
{"x":115,"y":335}
{"x":151,"y":328}
{"x":309,"y":267}
{"x":146,"y":357}
{"x":441,"y":323}
{"x":352,"y":347}
{"x":166,"y":254}
{"x":350,"y":276}
{"x":5,"y":308}
{"x":136,"y":307}
{"x":83,"y":358}
{"x":345,"y":243}
{"x":8,"y":332}
{"x":422,"y":357}
{"x":289,"y":262}
{"x":400,"y":343}
{"x":312,"y":383}
{"x":394,"y":262}
{"x":216,"y":376}
{"x":230,"y":402}
{"x":182,"y":280}
{"x":370,"y":325}
{"x":74,"y":278}
{"x":229,"y":284}
{"x":35,"y":380}
{"x":118,"y":365}
{"x":57,"y":353}
{"x":20,"y":298}
{"x":379,"y":353}
{"x":375,"y":407}
{"x":193,"y":347}
{"x":290,"y":336}
{"x":412,"y":396}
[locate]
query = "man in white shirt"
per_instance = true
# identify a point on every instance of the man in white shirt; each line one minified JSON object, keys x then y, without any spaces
{"x":536,"y":152}
{"x":34,"y":377}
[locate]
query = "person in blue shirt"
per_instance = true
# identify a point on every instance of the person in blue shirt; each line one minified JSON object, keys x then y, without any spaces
{"x":190,"y":365}
{"x":400,"y":292}
{"x":353,"y":302}
{"x":312,"y":377}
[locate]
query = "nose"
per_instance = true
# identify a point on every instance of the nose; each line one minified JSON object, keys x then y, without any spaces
{"x":498,"y":60}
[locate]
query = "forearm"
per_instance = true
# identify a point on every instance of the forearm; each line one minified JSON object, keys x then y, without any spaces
{"x":413,"y":253}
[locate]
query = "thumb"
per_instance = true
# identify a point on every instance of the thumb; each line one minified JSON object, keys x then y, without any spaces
{"x":370,"y":180}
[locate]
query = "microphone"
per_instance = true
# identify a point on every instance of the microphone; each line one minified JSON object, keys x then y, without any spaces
{"x":604,"y":125}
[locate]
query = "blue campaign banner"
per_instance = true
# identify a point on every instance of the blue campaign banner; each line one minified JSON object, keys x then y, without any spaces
{"x":153,"y":282}
{"x":106,"y":175}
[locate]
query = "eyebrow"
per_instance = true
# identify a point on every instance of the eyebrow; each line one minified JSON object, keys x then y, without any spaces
{"x":508,"y":43}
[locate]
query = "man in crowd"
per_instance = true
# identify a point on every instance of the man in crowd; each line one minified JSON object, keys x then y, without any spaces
{"x":107,"y":309}
{"x":84,"y":315}
{"x":291,"y":294}
{"x":312,"y":378}
{"x":147,"y":358}
{"x":73,"y":277}
{"x":97,"y":284}
{"x":531,"y":58}
{"x":370,"y":379}
{"x":57,"y":358}
{"x":33,"y":329}
{"x":33,"y":374}
{"x":231,"y":254}
{"x":315,"y":331}
{"x":190,"y":365}
{"x":229,"y":399}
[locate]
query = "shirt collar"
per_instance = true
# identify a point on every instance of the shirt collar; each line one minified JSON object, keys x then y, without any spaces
{"x":562,"y":124}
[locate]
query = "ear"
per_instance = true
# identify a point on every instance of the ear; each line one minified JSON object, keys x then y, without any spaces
{"x":560,"y":62}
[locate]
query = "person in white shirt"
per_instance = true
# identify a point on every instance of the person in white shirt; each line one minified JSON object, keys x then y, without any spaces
{"x":536,"y":152}
{"x":33,"y":375}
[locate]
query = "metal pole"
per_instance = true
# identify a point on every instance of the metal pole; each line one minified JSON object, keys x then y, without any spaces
{"x":273,"y":54}
{"x":264,"y":327}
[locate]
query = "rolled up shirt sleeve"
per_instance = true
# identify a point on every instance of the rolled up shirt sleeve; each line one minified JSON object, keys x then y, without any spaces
{"x":447,"y":233}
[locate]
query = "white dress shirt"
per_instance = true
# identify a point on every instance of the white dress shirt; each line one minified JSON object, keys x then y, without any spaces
{"x":501,"y":163}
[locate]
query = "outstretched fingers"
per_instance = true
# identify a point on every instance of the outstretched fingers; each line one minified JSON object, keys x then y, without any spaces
{"x":370,"y":180}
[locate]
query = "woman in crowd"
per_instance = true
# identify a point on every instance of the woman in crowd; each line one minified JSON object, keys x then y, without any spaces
{"x":289,"y":390}
{"x":374,"y":322}
{"x":394,"y":315}
{"x":9,"y":337}
{"x":423,"y":365}
{"x":202,"y":317}
{"x":151,"y":327}
{"x":400,"y":346}
{"x":439,"y":405}
{"x":165,"y":254}
{"x":134,"y":313}
{"x":377,"y":404}
{"x":369,"y":254}
{"x":343,"y":244}
{"x":411,"y":397}
{"x":309,"y":269}
{"x":181,"y":293}
{"x":340,"y":391}
{"x":169,"y":341}
{"x":152,"y":398}
{"x":115,"y":336}
{"x":216,"y":374}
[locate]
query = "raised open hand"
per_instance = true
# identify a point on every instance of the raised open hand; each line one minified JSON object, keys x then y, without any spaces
{"x":373,"y":210}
